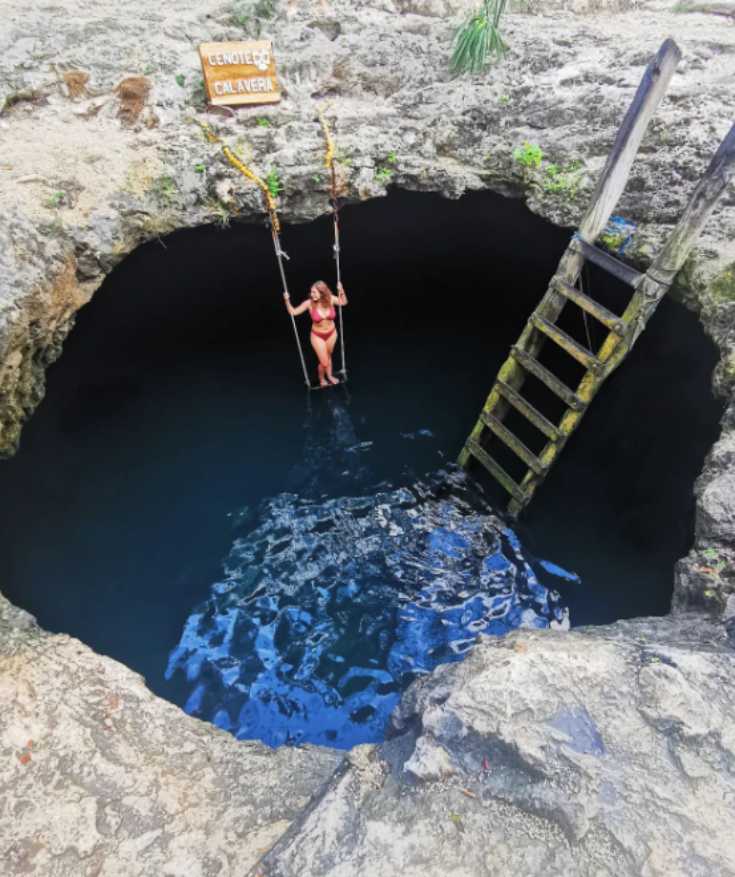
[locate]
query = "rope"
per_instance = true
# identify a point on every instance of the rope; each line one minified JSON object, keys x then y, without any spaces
{"x":329,"y":165}
{"x":270,"y":206}
{"x":584,"y":315}
{"x":280,"y":256}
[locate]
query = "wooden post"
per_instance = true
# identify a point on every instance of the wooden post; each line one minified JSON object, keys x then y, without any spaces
{"x":659,"y":277}
{"x":610,"y":186}
{"x":614,"y":175}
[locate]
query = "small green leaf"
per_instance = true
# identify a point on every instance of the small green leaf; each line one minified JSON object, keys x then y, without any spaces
{"x":180,"y":79}
{"x":199,"y":168}
{"x":529,"y":155}
{"x":273,"y":181}
{"x":56,"y":200}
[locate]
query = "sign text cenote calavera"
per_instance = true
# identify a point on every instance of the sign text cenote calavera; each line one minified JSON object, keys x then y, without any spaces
{"x":240,"y":73}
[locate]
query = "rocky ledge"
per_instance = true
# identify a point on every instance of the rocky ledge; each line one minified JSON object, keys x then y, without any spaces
{"x":98,"y":776}
{"x":602,"y":751}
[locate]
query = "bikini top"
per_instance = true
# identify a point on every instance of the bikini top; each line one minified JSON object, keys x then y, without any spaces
{"x":317,"y":317}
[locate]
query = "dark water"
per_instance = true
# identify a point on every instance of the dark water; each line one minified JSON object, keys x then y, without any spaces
{"x":176,"y":451}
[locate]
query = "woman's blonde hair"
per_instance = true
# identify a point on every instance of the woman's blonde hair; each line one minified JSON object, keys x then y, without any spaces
{"x":325,"y":293}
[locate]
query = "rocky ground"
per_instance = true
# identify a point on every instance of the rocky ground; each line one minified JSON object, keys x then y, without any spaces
{"x":99,"y":776}
{"x":608,"y":750}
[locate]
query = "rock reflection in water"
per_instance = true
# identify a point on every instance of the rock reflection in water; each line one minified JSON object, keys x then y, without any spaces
{"x":329,"y":608}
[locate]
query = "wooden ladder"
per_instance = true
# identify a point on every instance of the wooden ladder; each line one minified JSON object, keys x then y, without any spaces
{"x":622,"y":331}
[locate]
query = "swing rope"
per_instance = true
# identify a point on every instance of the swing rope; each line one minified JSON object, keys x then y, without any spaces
{"x":270,"y":206}
{"x":329,"y":165}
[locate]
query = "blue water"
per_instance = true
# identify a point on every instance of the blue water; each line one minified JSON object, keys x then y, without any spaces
{"x":329,"y":607}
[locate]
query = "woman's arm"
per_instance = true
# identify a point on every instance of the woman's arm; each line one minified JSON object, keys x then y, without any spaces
{"x":340,"y":299}
{"x":299,"y":309}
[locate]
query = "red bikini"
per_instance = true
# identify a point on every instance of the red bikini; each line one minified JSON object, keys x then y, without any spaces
{"x":317,"y":318}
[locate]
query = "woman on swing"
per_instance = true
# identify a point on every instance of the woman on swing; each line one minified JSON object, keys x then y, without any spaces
{"x":320,"y":305}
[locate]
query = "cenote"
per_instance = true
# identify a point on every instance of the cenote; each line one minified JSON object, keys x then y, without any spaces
{"x":285,"y":564}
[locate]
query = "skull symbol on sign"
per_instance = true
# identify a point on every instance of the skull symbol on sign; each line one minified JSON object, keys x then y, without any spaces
{"x":262,"y":59}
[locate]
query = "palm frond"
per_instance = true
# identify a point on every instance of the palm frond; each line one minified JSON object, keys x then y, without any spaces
{"x":478,"y":39}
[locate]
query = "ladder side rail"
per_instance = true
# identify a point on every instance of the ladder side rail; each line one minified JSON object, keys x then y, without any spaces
{"x":610,"y":185}
{"x":652,"y":87}
{"x":649,"y":293}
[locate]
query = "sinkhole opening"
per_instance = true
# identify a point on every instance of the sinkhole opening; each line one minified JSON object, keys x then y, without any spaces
{"x":284,"y":564}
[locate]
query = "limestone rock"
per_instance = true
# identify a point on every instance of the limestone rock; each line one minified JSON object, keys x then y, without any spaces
{"x":601,"y":751}
{"x":98,"y":776}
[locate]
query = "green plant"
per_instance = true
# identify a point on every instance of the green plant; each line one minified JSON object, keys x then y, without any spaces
{"x":180,"y":80}
{"x":478,"y":39}
{"x":200,"y":168}
{"x":56,"y":200}
{"x":250,"y":16}
{"x":385,"y":169}
{"x":148,"y":69}
{"x":504,"y":100}
{"x":262,"y":122}
{"x":273,"y":181}
{"x":164,"y":188}
{"x":318,"y":179}
{"x":220,"y":211}
{"x":716,"y":562}
{"x":529,"y":155}
{"x":563,"y":179}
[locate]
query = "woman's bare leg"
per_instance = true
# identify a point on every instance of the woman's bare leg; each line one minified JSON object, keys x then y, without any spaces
{"x":330,"y":347}
{"x":320,"y":348}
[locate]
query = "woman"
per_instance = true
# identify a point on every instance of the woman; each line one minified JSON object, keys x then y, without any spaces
{"x":320,"y":305}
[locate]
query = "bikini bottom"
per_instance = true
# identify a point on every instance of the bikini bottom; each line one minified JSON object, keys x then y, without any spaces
{"x":325,"y":336}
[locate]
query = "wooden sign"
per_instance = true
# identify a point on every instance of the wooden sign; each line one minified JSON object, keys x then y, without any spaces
{"x":240,"y":73}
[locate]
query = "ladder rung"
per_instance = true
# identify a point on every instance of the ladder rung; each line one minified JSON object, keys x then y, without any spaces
{"x":496,"y":470}
{"x":600,"y":313}
{"x":586,"y":357}
{"x":546,"y":377}
{"x":514,"y":443}
{"x":607,"y":262}
{"x":527,"y":410}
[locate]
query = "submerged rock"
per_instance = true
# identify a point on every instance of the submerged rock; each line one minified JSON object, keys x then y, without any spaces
{"x":600,"y":751}
{"x":329,"y":609}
